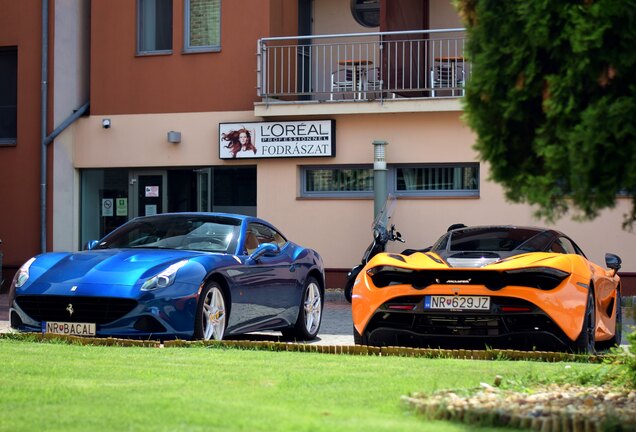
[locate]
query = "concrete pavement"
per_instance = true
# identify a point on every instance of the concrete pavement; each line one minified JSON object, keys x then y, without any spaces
{"x":336,"y":327}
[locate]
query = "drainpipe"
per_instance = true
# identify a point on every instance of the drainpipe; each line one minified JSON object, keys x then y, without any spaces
{"x":46,"y":140}
{"x":43,"y":122}
{"x":379,"y":177}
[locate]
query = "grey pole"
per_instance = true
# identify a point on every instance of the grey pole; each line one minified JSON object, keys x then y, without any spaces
{"x":379,"y":176}
{"x":43,"y":123}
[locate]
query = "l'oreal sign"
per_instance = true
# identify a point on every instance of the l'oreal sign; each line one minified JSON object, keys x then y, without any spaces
{"x":277,"y":139}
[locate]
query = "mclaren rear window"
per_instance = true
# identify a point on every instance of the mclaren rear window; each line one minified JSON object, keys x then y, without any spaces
{"x":502,"y":239}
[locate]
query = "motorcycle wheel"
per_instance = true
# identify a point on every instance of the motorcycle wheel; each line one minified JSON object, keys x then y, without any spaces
{"x":348,"y":288}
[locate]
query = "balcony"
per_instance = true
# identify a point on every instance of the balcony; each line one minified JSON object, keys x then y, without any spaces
{"x":420,"y":70}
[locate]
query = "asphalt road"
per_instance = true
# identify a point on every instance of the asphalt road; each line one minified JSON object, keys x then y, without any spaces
{"x":337,"y":326}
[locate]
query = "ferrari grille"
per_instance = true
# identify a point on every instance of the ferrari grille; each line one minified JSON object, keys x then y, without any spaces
{"x":99,"y":310}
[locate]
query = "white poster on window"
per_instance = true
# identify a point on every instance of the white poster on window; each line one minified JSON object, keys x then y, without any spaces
{"x":277,"y":139}
{"x":151,"y":191}
{"x":107,"y":207}
{"x":121,"y":205}
{"x":151,"y":209}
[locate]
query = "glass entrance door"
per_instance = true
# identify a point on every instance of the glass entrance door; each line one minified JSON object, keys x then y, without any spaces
{"x":203,"y":189}
{"x":148,"y":193}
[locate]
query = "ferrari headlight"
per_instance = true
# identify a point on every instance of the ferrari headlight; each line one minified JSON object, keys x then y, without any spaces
{"x":23,"y":273}
{"x":163,"y":279}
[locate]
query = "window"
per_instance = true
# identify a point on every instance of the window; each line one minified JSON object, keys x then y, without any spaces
{"x":423,"y":180}
{"x":154,"y":26}
{"x":202,"y":25}
{"x":338,"y":181}
{"x":366,"y":12}
{"x":257,"y":234}
{"x":438,"y":179}
{"x":8,"y":96}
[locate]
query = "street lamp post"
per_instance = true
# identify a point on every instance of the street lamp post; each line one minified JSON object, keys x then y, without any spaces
{"x":379,"y":176}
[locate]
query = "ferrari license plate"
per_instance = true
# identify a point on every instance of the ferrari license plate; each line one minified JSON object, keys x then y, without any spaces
{"x":66,"y":328}
{"x":459,"y":303}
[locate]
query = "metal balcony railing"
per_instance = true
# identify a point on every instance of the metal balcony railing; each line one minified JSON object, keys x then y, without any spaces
{"x":363,"y":66}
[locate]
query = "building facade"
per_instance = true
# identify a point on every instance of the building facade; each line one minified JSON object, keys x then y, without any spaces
{"x":314,"y":83}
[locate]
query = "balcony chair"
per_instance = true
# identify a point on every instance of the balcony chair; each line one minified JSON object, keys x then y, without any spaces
{"x":447,"y":76}
{"x":341,"y":82}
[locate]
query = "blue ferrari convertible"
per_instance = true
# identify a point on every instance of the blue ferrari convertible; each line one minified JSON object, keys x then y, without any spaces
{"x":178,"y":275}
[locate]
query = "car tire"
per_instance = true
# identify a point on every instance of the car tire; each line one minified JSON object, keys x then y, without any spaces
{"x":348,"y":289}
{"x":310,"y":313}
{"x":211,"y":318}
{"x":584,"y":344}
{"x":357,"y":337}
{"x":618,"y":333}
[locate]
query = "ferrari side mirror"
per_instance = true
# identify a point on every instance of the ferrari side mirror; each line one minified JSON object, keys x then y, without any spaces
{"x":91,"y":244}
{"x":265,"y":249}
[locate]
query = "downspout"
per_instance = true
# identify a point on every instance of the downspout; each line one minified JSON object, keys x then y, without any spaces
{"x":46,"y":140}
{"x":43,"y":121}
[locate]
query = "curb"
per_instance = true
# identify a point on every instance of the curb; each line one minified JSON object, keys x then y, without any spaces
{"x":541,"y":356}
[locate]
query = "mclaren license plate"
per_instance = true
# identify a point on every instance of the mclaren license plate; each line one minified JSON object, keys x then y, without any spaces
{"x":457,"y":303}
{"x":67,"y":328}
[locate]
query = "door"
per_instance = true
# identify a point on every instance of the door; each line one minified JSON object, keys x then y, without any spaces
{"x":268,"y":287}
{"x":148,"y":192}
{"x":203,"y":189}
{"x":403,"y":55}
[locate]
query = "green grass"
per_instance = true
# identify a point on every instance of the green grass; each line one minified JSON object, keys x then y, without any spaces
{"x":56,"y":386}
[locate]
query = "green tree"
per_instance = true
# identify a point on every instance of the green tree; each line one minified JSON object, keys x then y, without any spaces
{"x":552,"y":99}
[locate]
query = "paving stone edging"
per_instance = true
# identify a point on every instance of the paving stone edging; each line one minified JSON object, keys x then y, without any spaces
{"x":493,"y":354}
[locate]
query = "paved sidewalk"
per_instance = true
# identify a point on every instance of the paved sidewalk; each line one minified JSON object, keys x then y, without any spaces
{"x":4,"y":312}
{"x":336,"y":327}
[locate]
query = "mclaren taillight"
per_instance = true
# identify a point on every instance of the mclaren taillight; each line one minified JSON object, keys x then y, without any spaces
{"x":514,"y":309}
{"x":544,"y":278}
{"x":383,"y":276}
{"x":401,"y":307}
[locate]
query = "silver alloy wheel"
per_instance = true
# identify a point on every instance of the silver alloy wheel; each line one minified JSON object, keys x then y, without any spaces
{"x":313,"y":308}
{"x":213,"y":315}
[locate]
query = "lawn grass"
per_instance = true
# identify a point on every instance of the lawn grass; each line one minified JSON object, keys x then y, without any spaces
{"x":56,"y":386}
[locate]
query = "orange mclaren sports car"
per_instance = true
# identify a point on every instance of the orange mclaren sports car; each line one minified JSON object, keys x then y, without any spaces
{"x":490,"y":286}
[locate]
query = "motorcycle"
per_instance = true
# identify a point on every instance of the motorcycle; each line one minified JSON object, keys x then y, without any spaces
{"x":381,"y":236}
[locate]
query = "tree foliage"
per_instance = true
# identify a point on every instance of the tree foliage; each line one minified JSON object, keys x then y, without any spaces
{"x":552,"y":99}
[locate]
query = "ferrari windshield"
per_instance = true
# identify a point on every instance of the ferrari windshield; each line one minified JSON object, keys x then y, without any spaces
{"x":212,"y":234}
{"x":492,"y":239}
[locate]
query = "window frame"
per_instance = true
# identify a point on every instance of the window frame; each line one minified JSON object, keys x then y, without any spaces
{"x":392,"y":177}
{"x":433,"y":193}
{"x":187,"y":48}
{"x":12,"y":141}
{"x":151,"y":52}
{"x":359,"y":10}
{"x":258,"y":229}
{"x":332,"y":194}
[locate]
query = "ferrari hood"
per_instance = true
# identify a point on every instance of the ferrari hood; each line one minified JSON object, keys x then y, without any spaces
{"x":114,"y":267}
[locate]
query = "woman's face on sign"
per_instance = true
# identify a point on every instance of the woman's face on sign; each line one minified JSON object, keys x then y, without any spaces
{"x":243,"y":138}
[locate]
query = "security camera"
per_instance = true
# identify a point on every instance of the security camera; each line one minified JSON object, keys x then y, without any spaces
{"x":106,"y":123}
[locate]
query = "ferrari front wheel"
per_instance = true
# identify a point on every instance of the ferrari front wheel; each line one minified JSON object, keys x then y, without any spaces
{"x":584,"y":344}
{"x":210,"y":320}
{"x":310,"y":313}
